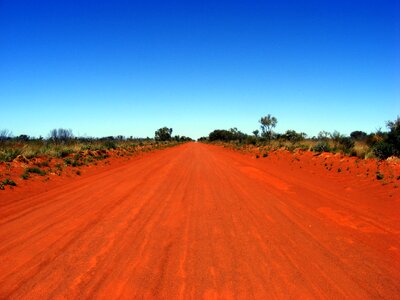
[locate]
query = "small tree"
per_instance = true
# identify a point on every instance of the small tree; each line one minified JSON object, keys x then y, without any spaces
{"x":390,"y":143}
{"x":358,"y":135}
{"x":221,"y":135}
{"x":394,"y":135}
{"x":23,"y":138}
{"x":323,"y":135}
{"x":342,"y":142}
{"x":336,"y":137}
{"x":163,"y":134}
{"x":267,"y":123}
{"x":256,"y":132}
{"x":5,"y":134}
{"x":60,"y":135}
{"x":237,"y":134}
{"x":293,"y":136}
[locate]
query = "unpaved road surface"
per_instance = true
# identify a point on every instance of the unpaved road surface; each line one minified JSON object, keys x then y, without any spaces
{"x":199,"y":221}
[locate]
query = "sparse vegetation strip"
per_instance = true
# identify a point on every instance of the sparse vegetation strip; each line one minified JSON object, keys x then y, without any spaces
{"x":61,"y":150}
{"x":380,"y":144}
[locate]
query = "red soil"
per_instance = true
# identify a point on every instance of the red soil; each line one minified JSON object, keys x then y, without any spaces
{"x":201,"y":221}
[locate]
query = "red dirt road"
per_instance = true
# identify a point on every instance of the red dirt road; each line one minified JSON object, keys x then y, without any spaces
{"x":199,"y":221}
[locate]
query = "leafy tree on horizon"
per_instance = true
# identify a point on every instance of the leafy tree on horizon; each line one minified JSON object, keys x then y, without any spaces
{"x":256,"y":132}
{"x":267,"y":124}
{"x":358,"y":135}
{"x":163,"y":134}
{"x":221,"y":135}
{"x":293,"y":136}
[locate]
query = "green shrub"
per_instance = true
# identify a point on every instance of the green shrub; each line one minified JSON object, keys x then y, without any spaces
{"x":63,"y":153}
{"x":163,"y":134}
{"x":88,"y":160}
{"x":383,"y":150}
{"x":10,"y":182}
{"x":110,"y":144}
{"x":101,"y":157}
{"x":345,"y":144}
{"x":7,"y":181}
{"x":221,"y":135}
{"x":25,"y":175}
{"x":393,"y":136}
{"x":35,"y":171}
{"x":293,"y":136}
{"x":76,"y":163}
{"x":321,"y":147}
{"x":379,"y":176}
{"x":290,"y":148}
{"x":358,"y":135}
{"x":303,"y":147}
{"x":386,"y":144}
{"x":251,"y":140}
{"x":9,"y":154}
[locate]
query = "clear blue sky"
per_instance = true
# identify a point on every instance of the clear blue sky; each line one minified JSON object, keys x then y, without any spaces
{"x":129,"y":67}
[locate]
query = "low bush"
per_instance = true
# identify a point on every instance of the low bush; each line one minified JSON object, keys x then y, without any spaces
{"x":7,"y":181}
{"x":250,"y":140}
{"x":345,"y":144}
{"x":68,"y":161}
{"x":35,"y":171}
{"x":62,"y":153}
{"x":358,"y":135}
{"x":8,"y":155}
{"x":221,"y":135}
{"x":76,"y":163}
{"x":25,"y":176}
{"x":321,"y":146}
{"x":293,"y":136}
{"x":303,"y":147}
{"x":110,"y":144}
{"x":383,"y":150}
{"x":101,"y":157}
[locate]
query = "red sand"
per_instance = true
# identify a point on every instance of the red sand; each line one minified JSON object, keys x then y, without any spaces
{"x":199,"y":221}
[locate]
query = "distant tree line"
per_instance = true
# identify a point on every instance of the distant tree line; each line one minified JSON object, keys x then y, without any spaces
{"x":165,"y":134}
{"x":65,"y":136}
{"x":61,"y":142}
{"x":382,"y":144}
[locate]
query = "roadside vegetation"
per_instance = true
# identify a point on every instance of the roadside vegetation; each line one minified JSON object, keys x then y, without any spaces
{"x":380,"y":144}
{"x":61,"y":150}
{"x":61,"y":143}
